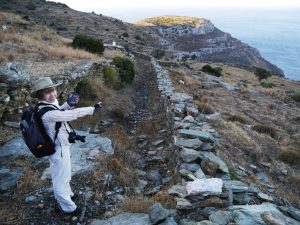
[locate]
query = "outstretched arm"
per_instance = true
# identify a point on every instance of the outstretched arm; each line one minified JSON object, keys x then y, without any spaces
{"x":68,"y":115}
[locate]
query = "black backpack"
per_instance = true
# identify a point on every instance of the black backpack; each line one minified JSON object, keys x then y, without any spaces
{"x":34,"y":133}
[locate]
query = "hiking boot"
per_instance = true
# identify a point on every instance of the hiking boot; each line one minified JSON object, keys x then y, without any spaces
{"x":58,"y":208}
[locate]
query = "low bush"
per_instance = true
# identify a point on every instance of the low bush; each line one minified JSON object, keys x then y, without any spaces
{"x":237,"y":118}
{"x":125,"y":67}
{"x":158,"y":53}
{"x":205,"y":108}
{"x":88,"y":43}
{"x":296,"y":97}
{"x":290,"y":153}
{"x":289,"y":156}
{"x":262,"y":73}
{"x":213,"y":71}
{"x":136,"y":205}
{"x":261,"y":128}
{"x":267,"y":85}
{"x":111,"y":77}
{"x":233,"y":172}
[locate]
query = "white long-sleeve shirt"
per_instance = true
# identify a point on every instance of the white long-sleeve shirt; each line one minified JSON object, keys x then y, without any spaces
{"x":51,"y":117}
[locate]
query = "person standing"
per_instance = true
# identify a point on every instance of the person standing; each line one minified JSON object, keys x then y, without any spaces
{"x":60,"y":162}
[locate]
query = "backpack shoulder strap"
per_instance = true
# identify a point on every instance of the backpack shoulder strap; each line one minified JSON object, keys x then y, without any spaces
{"x":42,"y":111}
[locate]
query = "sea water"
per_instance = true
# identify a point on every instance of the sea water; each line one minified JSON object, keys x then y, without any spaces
{"x":275,"y":32}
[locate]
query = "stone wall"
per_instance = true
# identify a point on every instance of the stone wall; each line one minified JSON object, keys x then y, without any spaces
{"x":16,"y":84}
{"x":204,"y":189}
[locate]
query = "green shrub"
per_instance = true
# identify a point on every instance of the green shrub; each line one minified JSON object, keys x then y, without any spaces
{"x":111,"y":77}
{"x":233,"y":172}
{"x":158,"y":53}
{"x":88,"y":43}
{"x":125,"y":34}
{"x":267,"y":85}
{"x":125,"y":67}
{"x":296,"y":97}
{"x":260,"y":128}
{"x":193,"y":57}
{"x":262,"y":73}
{"x":213,"y":71}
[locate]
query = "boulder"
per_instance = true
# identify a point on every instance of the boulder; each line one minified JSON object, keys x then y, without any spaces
{"x":199,"y":174}
{"x":189,"y":155}
{"x":193,"y":167}
{"x":209,"y":186}
{"x":182,"y":203}
{"x":209,"y":167}
{"x":178,"y":190}
{"x":212,"y":157}
{"x":125,"y":219}
{"x":158,"y":214}
{"x":264,"y":214}
{"x":236,"y":186}
{"x":9,"y":178}
{"x":189,"y":143}
{"x":202,"y":135}
{"x":180,"y":97}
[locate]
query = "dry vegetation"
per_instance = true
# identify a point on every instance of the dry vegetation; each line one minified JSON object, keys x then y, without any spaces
{"x":41,"y":49}
{"x":256,"y":124}
{"x":174,"y":20}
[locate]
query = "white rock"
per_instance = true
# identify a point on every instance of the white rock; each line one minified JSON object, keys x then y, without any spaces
{"x":205,"y":186}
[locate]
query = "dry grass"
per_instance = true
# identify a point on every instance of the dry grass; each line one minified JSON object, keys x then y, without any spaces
{"x":166,"y":200}
{"x":121,"y":165}
{"x":28,"y":42}
{"x":290,"y":153}
{"x":204,"y":108}
{"x":28,"y":183}
{"x":265,"y":129}
{"x":238,"y":137}
{"x":135,"y":205}
{"x":150,"y":128}
{"x":142,"y":205}
{"x":238,"y":118}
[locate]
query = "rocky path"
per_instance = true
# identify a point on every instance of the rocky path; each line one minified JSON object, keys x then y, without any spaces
{"x":204,"y":193}
{"x":176,"y":153}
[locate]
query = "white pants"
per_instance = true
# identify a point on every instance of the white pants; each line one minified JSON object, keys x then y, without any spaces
{"x":60,"y":167}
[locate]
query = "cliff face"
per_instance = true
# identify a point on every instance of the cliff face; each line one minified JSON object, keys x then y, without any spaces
{"x":207,"y":43}
{"x":179,"y":36}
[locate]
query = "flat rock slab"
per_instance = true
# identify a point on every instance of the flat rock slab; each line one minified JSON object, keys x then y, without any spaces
{"x":222,"y":82}
{"x":209,"y":186}
{"x":83,"y":155}
{"x":212,"y":157}
{"x":193,"y":143}
{"x":236,"y":186}
{"x":13,"y":149}
{"x":189,"y":155}
{"x":9,"y":178}
{"x":180,"y":97}
{"x":178,"y":190}
{"x":264,"y":214}
{"x":202,"y":135}
{"x":125,"y":219}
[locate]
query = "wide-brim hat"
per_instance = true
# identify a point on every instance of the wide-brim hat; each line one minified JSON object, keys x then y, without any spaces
{"x":42,"y":83}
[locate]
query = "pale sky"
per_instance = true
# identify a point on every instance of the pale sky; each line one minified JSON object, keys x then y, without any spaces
{"x":132,"y":10}
{"x":77,"y":4}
